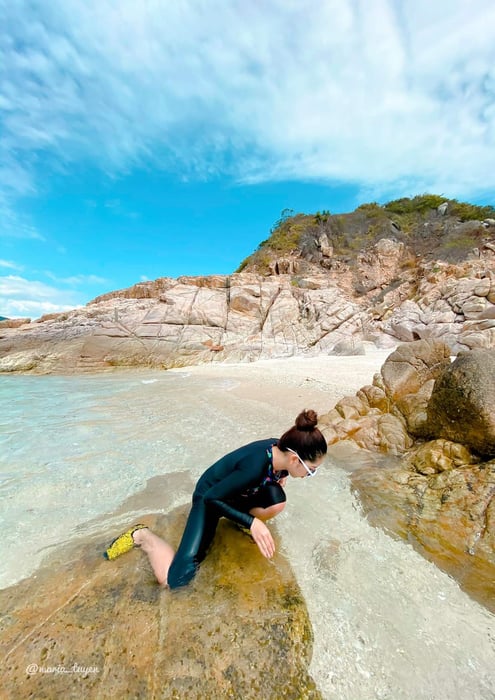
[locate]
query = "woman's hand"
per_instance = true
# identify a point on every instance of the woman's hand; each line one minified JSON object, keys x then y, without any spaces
{"x":263,"y":538}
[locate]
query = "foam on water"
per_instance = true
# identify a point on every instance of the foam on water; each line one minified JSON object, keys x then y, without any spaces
{"x":387,"y":623}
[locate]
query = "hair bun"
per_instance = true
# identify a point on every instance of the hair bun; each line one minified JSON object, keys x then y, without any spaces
{"x":307,"y":420}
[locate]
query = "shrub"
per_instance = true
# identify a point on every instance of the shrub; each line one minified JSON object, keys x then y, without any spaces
{"x":322,"y":218}
{"x":470,"y":212}
{"x":420,"y":204}
{"x":370,"y":208}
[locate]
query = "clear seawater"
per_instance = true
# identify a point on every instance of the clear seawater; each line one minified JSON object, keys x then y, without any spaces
{"x":387,"y":623}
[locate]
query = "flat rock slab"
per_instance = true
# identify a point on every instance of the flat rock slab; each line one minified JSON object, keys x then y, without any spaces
{"x":86,"y":627}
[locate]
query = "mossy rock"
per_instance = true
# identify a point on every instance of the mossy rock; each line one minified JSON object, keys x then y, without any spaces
{"x":240,"y":630}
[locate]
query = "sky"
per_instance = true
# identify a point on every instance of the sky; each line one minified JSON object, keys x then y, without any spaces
{"x":157,"y":138}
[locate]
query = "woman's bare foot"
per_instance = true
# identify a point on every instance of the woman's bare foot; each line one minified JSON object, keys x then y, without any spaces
{"x":160,"y":553}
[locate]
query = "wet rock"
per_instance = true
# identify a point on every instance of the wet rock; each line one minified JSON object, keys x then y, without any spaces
{"x":392,"y":434}
{"x":462,"y":402}
{"x":439,"y":495}
{"x":449,"y":517}
{"x":85,"y":627}
{"x":439,"y":456}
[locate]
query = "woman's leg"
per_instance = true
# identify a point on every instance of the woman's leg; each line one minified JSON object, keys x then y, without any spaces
{"x":177,"y":569}
{"x":267,"y":502}
{"x":198,"y":535}
{"x":267,"y":513}
{"x":160,"y":553}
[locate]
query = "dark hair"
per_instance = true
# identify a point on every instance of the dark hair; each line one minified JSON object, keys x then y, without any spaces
{"x":304,"y":437}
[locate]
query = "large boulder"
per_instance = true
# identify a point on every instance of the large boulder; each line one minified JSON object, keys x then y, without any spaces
{"x":388,"y":414}
{"x":461,"y":407}
{"x":440,"y":455}
{"x":85,"y":627}
{"x":407,"y":369}
{"x":408,"y":376}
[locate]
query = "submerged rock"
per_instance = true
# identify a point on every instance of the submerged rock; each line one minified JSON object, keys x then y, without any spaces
{"x":85,"y":627}
{"x":448,"y":516}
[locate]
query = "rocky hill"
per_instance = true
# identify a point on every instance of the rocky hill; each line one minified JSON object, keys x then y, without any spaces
{"x":411,"y":269}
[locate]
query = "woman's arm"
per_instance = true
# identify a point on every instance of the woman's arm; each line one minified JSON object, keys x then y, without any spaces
{"x":232,"y":486}
{"x":236,"y":483}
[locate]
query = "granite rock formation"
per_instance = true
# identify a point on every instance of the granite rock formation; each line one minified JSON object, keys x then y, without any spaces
{"x":412,"y":269}
{"x":85,"y":627}
{"x":437,"y":418}
{"x":243,"y":317}
{"x":172,"y":323}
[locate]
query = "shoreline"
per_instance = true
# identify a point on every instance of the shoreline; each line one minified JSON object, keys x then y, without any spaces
{"x":328,"y":377}
{"x":239,"y":400}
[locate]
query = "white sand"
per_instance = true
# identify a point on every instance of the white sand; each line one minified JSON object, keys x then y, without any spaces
{"x":318,"y":382}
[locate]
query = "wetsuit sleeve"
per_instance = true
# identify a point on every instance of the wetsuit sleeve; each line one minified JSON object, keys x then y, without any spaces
{"x":231,"y":486}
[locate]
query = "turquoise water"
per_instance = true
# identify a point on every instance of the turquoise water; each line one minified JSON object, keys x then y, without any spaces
{"x":73,"y":448}
{"x":387,"y":623}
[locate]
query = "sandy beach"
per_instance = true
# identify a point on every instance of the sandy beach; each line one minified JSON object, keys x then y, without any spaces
{"x":316,"y":382}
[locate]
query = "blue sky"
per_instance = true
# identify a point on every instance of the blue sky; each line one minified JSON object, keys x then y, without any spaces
{"x":148,"y":139}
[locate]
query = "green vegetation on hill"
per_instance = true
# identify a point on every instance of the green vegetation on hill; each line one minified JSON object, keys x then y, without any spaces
{"x":416,"y":221}
{"x":423,"y":203}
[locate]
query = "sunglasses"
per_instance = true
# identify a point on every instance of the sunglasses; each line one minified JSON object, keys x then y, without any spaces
{"x":310,"y":472}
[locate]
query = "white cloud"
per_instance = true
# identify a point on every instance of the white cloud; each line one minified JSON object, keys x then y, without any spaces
{"x":77,"y":280}
{"x":10,"y":265}
{"x":22,"y":308}
{"x":383,"y":94}
{"x":13,"y":224}
{"x":21,"y":297}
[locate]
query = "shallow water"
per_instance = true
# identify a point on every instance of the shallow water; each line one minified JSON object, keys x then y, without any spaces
{"x":387,"y":623}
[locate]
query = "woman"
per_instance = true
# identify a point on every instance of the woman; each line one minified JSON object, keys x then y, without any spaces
{"x":244,"y":486}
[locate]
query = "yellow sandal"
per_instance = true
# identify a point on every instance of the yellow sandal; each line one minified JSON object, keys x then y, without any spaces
{"x":122,"y":544}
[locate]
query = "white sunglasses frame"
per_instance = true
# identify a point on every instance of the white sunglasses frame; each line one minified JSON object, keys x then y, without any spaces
{"x":310,"y":472}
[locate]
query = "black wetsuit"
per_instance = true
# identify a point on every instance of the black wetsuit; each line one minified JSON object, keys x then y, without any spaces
{"x":241,"y":480}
